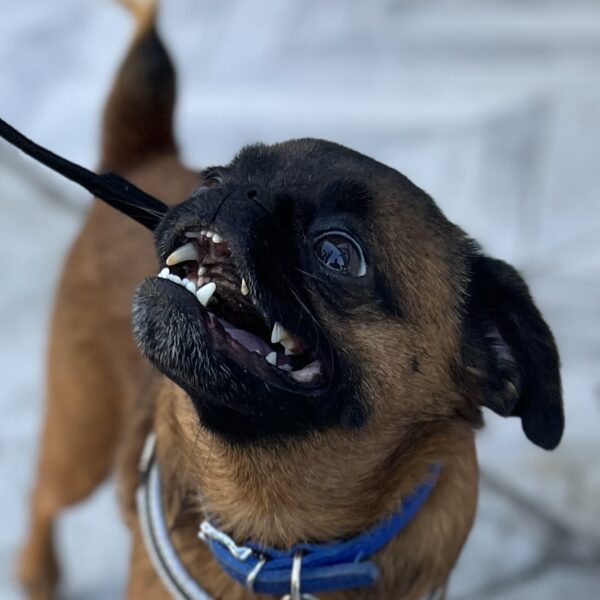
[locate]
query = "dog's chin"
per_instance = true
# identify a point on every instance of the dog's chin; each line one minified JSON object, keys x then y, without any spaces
{"x":236,"y":391}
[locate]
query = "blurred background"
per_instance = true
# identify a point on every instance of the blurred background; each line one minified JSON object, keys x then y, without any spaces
{"x":491,"y":106}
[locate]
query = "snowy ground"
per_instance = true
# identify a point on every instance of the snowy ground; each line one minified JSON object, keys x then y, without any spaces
{"x":493,"y":107}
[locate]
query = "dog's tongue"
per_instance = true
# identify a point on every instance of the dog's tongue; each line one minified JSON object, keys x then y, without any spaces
{"x":251,"y":342}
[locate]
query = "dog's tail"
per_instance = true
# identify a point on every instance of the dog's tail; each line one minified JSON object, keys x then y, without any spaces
{"x":138,"y":117}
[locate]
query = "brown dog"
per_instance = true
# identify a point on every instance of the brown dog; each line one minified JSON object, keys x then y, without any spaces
{"x":339,"y":340}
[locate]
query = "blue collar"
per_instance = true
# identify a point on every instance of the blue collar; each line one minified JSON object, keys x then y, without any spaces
{"x":314,"y":568}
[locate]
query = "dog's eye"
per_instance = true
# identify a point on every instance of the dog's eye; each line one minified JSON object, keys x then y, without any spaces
{"x":341,"y":253}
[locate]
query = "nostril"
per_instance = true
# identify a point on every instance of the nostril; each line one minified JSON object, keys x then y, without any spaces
{"x":251,"y":194}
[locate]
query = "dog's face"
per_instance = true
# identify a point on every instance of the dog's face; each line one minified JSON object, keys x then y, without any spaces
{"x":306,"y":287}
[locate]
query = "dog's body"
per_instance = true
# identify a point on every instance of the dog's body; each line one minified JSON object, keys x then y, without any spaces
{"x":417,"y":371}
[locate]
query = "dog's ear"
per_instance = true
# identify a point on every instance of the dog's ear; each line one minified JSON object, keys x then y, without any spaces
{"x":511,"y":350}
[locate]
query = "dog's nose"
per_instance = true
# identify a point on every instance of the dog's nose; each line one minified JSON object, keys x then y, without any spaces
{"x":256,"y":194}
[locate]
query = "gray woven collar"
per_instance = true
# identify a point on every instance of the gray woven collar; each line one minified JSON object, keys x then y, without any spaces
{"x":155,"y":532}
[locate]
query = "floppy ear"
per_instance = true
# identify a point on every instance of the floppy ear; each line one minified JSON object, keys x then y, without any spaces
{"x":511,"y":351}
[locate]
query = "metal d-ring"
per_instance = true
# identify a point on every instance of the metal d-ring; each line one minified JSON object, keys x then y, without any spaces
{"x":295,"y":587}
{"x":295,"y":579}
{"x":254,"y":573}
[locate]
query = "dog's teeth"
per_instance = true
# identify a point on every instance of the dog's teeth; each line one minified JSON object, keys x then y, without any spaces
{"x":279,"y":334}
{"x":174,"y":279}
{"x":289,"y":345}
{"x":287,"y":368}
{"x":190,"y":286}
{"x":308,"y":373}
{"x":164,"y":273}
{"x":183,"y":254}
{"x":204,"y":294}
{"x":245,"y":290}
{"x":201,"y":271}
{"x":216,"y":238}
{"x":209,"y":234}
{"x":271,"y":358}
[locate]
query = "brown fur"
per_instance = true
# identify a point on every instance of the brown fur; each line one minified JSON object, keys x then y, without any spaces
{"x":101,"y":397}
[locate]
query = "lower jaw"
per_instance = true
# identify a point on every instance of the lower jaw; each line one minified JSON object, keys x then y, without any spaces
{"x":237,"y":402}
{"x":248,"y":349}
{"x":248,"y":409}
{"x":305,"y":380}
{"x":237,"y":428}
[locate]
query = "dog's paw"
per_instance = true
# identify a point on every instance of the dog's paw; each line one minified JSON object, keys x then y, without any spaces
{"x":38,"y":573}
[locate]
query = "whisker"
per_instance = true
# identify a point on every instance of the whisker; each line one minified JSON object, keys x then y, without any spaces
{"x":319,"y":327}
{"x":303,"y":305}
{"x":311,"y":275}
{"x":220,"y":205}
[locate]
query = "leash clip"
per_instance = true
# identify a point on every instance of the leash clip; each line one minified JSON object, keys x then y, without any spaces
{"x":250,"y":580}
{"x":295,"y":587}
{"x":207,"y":531}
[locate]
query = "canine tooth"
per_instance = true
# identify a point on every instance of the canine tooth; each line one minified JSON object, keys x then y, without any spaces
{"x":308,"y":373}
{"x":201,"y":271}
{"x":191,"y":287}
{"x":279,"y":334}
{"x":287,"y":368}
{"x":204,"y":294}
{"x":216,"y":238}
{"x":245,"y":290}
{"x":164,"y":273}
{"x":271,"y":358}
{"x":174,"y":278}
{"x":182,"y":254}
{"x":209,"y":234}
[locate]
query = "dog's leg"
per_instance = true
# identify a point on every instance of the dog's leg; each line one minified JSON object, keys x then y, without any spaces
{"x":80,"y":430}
{"x":94,"y":369}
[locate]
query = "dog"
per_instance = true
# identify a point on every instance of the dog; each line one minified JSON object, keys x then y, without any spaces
{"x":316,"y":350}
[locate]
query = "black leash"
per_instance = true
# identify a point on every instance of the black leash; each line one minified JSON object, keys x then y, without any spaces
{"x":110,"y":187}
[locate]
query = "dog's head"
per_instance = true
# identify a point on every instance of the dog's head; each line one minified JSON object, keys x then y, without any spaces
{"x":307,"y":287}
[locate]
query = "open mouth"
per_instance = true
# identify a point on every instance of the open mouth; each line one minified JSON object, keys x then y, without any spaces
{"x":202,"y":264}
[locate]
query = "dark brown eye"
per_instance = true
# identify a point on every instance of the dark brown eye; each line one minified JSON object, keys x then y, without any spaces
{"x":341,"y":253}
